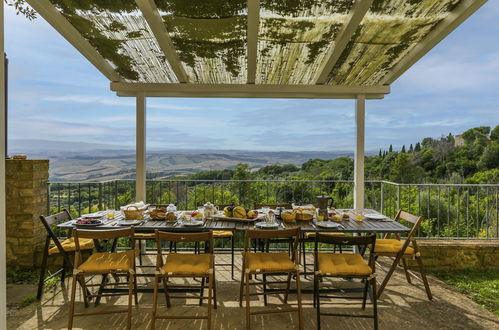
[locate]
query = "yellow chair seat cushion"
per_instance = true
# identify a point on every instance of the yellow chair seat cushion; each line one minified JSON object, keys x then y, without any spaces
{"x":343,"y":264}
{"x":222,"y":233}
{"x":268,"y":262}
{"x":312,"y":234}
{"x":105,"y":262}
{"x":390,"y":245}
{"x":69,"y":245}
{"x":145,"y":236}
{"x":182,"y":264}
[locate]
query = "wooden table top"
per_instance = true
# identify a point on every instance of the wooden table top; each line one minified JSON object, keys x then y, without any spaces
{"x":351,"y":225}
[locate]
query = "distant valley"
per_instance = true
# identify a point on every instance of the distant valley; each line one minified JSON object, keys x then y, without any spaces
{"x":78,"y":161}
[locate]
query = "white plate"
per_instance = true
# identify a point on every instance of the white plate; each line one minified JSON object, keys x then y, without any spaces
{"x":267,"y":225}
{"x":129,"y":222}
{"x":375,"y":216}
{"x":327,"y":224}
{"x":95,"y":215}
{"x":193,"y":223}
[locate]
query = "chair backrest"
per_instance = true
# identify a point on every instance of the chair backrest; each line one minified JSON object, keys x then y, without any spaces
{"x":293,"y":233}
{"x":206,"y":236}
{"x":287,"y":206}
{"x":362,"y":242}
{"x":415,"y":220}
{"x":50,"y":220}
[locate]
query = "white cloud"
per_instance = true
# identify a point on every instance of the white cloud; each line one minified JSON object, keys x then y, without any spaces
{"x":112,"y":102}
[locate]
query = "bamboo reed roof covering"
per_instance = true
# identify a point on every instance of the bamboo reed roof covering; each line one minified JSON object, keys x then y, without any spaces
{"x":194,"y":46}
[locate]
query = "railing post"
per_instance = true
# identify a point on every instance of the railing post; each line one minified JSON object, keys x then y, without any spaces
{"x":382,"y":197}
{"x":116,"y":206}
{"x":398,"y":197}
{"x":48,"y":198}
{"x":100,"y":196}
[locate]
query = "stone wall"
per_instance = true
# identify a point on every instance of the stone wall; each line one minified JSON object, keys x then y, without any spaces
{"x":459,"y":254}
{"x":26,"y":200}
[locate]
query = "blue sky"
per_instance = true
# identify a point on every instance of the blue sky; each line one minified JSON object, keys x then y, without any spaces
{"x":56,"y":94}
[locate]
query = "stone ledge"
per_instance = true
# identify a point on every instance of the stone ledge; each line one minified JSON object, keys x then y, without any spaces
{"x":459,"y":242}
{"x":459,"y":254}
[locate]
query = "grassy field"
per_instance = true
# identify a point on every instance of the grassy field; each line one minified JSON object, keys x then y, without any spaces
{"x":480,"y":285}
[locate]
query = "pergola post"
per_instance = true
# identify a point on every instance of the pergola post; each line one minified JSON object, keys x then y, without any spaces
{"x":3,"y":279}
{"x":140,"y":147}
{"x":360,"y":114}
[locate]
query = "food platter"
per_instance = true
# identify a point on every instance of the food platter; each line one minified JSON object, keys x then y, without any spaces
{"x":87,"y":223}
{"x":223,"y":217}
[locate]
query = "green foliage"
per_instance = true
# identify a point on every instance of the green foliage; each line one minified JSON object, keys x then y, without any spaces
{"x":481,"y":285}
{"x":28,"y":300}
{"x":21,"y":7}
{"x":490,"y":157}
{"x":494,"y":135}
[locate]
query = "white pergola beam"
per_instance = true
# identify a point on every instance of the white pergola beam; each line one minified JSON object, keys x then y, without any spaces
{"x":3,"y":259}
{"x":252,"y":38}
{"x":73,"y":36}
{"x":158,"y":28}
{"x":360,"y":114}
{"x":451,"y":22}
{"x":247,"y":90}
{"x":140,"y":147}
{"x":357,"y":13}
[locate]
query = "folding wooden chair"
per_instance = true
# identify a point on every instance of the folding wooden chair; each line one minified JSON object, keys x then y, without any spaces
{"x":270,"y":263}
{"x":104,"y":263}
{"x":185,"y":265}
{"x":401,"y":251}
{"x":63,"y":248}
{"x":344,"y":265}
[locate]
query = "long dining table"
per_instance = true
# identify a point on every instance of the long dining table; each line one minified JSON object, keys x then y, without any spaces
{"x":349,"y":225}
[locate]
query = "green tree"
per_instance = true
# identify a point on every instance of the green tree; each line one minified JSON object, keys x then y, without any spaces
{"x":403,"y":149}
{"x":390,"y":149}
{"x":490,"y":157}
{"x":403,"y":170}
{"x":379,"y":155}
{"x":411,"y":148}
{"x":494,"y":135}
{"x":417,"y":148}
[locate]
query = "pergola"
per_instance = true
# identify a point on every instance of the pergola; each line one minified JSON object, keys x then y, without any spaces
{"x":329,"y":49}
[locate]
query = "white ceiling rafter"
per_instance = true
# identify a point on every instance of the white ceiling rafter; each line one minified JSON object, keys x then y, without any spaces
{"x":74,"y":37}
{"x":455,"y":18}
{"x":153,"y":19}
{"x":249,"y":90}
{"x":252,"y":38}
{"x":357,"y":13}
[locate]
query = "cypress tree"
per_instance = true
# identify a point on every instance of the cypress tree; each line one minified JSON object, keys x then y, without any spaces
{"x":403,"y":149}
{"x":417,"y":148}
{"x":390,"y":149}
{"x":411,"y":149}
{"x":379,"y":153}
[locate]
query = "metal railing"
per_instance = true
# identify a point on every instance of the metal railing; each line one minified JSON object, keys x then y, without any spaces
{"x":450,"y":210}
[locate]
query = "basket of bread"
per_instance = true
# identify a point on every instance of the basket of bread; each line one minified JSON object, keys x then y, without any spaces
{"x":134,"y":211}
{"x":300,"y":213}
{"x":238,"y":213}
{"x":162,"y":213}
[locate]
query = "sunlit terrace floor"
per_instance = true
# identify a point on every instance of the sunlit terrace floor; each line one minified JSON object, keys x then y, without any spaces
{"x":402,"y":306}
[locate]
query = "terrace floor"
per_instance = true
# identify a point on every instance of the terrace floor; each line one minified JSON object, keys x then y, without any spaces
{"x":402,"y":306}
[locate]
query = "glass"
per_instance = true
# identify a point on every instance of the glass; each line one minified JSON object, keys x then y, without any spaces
{"x":359,"y":216}
{"x":265,"y":209}
{"x":187,"y":217}
{"x":269,"y":217}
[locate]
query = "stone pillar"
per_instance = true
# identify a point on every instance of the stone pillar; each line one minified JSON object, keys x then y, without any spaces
{"x":26,"y":199}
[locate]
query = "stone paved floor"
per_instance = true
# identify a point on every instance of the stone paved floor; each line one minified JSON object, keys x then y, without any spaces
{"x":402,"y":306}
